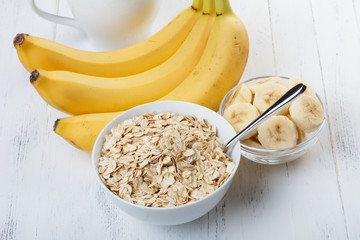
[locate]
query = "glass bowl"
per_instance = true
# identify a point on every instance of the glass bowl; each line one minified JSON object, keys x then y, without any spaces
{"x":266,"y":156}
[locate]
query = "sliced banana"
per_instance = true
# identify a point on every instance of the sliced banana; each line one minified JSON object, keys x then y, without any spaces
{"x":278,"y":132}
{"x":301,"y":133}
{"x":267,"y":94}
{"x":307,"y":113}
{"x":241,"y":94}
{"x":254,"y":86}
{"x":294,"y":81}
{"x":252,"y":142}
{"x":240,"y":115}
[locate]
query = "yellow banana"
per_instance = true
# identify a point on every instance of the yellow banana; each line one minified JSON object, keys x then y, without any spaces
{"x":81,"y":131}
{"x":218,"y":70}
{"x":79,"y":94}
{"x":38,"y":53}
{"x":222,"y":64}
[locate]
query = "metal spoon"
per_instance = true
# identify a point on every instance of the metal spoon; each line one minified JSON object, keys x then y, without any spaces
{"x":285,"y":100}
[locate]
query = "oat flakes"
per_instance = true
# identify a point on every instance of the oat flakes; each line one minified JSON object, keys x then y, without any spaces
{"x":163,"y":160}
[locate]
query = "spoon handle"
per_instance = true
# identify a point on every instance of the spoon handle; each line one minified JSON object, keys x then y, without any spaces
{"x":285,"y":100}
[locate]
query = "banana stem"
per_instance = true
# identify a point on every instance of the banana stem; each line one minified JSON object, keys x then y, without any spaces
{"x":197,"y":5}
{"x":223,"y":7}
{"x":209,"y":7}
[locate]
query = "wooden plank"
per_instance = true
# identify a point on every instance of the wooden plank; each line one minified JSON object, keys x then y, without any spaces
{"x":22,"y":127}
{"x":338,"y":42}
{"x":356,"y":10}
{"x":297,"y":51}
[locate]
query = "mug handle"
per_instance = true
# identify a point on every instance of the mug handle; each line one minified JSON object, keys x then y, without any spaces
{"x":54,"y":18}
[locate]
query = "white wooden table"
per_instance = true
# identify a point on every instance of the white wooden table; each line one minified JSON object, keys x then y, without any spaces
{"x":47,"y":188}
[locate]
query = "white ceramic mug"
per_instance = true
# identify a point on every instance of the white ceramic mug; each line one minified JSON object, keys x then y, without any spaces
{"x":109,"y":24}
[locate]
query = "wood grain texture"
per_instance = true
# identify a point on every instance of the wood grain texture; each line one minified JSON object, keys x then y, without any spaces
{"x":338,"y":43}
{"x":47,"y":188}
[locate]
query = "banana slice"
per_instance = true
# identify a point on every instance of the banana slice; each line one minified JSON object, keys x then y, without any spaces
{"x":307,"y":113}
{"x":252,"y":142}
{"x":294,"y":81}
{"x":254,"y":86}
{"x":267,"y":94}
{"x":278,"y":132}
{"x":239,"y":115}
{"x":241,"y":94}
{"x":301,"y":133}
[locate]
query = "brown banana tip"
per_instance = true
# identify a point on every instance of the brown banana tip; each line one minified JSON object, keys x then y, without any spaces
{"x":19,"y":39}
{"x":34,"y":76}
{"x":194,"y":8}
{"x":56,"y":124}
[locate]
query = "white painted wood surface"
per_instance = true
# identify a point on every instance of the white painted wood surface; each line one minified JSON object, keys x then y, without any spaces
{"x":47,"y":189}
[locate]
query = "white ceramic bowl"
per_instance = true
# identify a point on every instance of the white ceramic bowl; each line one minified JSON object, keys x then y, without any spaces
{"x":189,"y":211}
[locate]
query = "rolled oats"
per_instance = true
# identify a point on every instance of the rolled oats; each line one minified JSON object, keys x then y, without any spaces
{"x":163,"y":160}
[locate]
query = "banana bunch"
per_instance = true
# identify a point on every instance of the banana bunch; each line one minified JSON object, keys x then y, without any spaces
{"x":198,"y":57}
{"x":288,"y":128}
